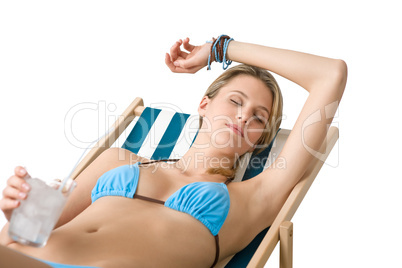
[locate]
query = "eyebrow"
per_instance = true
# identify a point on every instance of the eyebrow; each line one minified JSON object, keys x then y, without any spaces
{"x":245,"y":96}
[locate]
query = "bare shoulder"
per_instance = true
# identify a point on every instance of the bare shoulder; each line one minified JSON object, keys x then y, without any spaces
{"x":119,"y":156}
{"x":109,"y":159}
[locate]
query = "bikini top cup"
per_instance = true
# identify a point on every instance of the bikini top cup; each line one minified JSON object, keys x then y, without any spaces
{"x":208,"y":202}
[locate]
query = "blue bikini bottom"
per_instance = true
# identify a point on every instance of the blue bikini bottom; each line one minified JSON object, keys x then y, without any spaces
{"x":59,"y":265}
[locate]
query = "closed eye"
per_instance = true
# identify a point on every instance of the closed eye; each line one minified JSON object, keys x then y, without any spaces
{"x":258,"y":119}
{"x":235,"y":102}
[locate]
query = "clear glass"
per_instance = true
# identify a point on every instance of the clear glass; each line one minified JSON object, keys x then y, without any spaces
{"x":33,"y":221}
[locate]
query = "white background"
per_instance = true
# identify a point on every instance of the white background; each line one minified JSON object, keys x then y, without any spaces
{"x":55,"y":55}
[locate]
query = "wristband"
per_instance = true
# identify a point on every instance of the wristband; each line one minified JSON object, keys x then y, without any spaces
{"x":219,"y":50}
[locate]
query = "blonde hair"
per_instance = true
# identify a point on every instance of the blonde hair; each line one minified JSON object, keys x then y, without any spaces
{"x":275,"y":117}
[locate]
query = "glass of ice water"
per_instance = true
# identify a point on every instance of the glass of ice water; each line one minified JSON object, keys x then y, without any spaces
{"x":33,"y":221}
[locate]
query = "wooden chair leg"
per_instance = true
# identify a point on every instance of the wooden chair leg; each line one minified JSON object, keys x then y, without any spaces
{"x":286,"y":245}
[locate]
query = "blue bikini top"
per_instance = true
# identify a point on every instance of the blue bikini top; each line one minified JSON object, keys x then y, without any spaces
{"x":208,"y":202}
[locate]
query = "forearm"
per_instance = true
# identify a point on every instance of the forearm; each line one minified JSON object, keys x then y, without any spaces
{"x":306,"y":70}
{"x":13,"y":258}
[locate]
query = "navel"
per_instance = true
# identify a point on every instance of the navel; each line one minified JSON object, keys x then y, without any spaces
{"x":92,"y":230}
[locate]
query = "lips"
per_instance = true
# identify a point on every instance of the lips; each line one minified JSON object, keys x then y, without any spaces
{"x":236,"y":129}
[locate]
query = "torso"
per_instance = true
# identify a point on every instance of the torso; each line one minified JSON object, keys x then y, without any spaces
{"x":123,"y":232}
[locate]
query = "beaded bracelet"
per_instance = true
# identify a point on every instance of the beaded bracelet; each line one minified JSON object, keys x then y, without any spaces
{"x":219,"y":49}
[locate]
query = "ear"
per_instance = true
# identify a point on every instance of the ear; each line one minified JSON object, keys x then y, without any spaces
{"x":202,"y":108}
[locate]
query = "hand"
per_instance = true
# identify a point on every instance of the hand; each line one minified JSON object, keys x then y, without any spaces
{"x":17,"y":189}
{"x":182,"y":62}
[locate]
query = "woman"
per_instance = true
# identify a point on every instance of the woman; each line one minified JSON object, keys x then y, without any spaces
{"x":239,"y":113}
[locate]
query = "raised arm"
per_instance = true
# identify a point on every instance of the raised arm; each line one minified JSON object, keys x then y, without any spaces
{"x":323,"y":78}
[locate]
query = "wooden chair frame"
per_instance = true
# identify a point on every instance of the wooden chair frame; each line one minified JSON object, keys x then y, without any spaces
{"x":280,"y":230}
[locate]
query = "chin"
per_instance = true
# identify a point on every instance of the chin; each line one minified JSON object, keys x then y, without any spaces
{"x":230,"y":143}
{"x":223,"y":140}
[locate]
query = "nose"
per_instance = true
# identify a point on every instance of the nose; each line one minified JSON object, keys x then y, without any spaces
{"x":244,"y":115}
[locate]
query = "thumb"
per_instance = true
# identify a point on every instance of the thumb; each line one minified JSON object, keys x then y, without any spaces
{"x":186,"y":63}
{"x":181,"y":63}
{"x":177,"y":63}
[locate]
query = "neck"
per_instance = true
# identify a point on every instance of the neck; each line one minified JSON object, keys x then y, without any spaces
{"x":199,"y":159}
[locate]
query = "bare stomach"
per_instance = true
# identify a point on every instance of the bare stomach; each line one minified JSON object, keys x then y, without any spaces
{"x":122,"y":232}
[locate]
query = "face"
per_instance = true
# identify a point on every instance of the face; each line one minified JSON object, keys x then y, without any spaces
{"x":236,"y":117}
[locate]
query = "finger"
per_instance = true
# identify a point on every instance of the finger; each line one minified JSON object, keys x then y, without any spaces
{"x":14,"y":194}
{"x":183,"y":54}
{"x":9,"y":204}
{"x":171,"y":66}
{"x":175,"y":50}
{"x":187,"y":46}
{"x":21,"y":172}
{"x":169,"y":62}
{"x":18,"y":183}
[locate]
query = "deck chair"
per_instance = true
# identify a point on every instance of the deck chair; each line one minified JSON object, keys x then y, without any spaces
{"x":160,"y":134}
